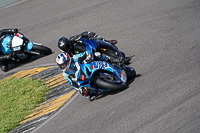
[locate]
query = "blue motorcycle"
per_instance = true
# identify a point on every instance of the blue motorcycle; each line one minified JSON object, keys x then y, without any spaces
{"x":21,"y":48}
{"x":101,"y":76}
{"x":106,"y":49}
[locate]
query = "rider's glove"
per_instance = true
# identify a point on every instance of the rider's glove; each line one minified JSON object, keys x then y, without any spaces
{"x":88,"y":58}
{"x":91,"y":35}
{"x":107,"y":58}
{"x":126,"y":61}
{"x":75,"y":39}
{"x":97,"y":54}
{"x":86,"y":61}
{"x":15,"y":30}
{"x":88,"y":35}
{"x":117,"y":60}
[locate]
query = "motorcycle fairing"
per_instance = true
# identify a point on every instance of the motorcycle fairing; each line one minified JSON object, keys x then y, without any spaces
{"x":102,"y":65}
{"x":5,"y":44}
{"x":91,"y":44}
{"x":17,"y":41}
{"x":29,"y":46}
{"x":87,"y":70}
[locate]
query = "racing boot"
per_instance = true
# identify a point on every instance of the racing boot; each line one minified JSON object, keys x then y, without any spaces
{"x":93,"y":95}
{"x":83,"y":91}
{"x":88,"y":93}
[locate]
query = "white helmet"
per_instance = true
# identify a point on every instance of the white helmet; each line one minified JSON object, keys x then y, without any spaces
{"x":63,"y":60}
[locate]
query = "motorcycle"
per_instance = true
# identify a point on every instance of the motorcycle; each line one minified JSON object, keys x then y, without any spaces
{"x":106,"y":49}
{"x":21,"y":48}
{"x":101,"y":76}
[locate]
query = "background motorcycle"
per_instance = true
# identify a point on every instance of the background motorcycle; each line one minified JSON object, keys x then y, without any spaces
{"x":106,"y":49}
{"x":21,"y":48}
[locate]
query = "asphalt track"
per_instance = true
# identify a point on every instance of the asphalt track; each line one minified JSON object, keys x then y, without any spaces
{"x":164,"y":36}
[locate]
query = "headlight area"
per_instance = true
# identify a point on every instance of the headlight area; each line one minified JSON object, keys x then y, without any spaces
{"x":123,"y":76}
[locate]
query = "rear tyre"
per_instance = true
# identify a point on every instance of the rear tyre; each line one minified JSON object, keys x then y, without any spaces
{"x":102,"y":83}
{"x":41,"y":49}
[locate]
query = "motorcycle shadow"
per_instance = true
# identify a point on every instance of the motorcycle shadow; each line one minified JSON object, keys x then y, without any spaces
{"x":14,"y":65}
{"x":104,"y":94}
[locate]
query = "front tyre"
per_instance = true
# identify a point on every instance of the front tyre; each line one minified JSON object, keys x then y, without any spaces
{"x":41,"y":49}
{"x":111,"y":84}
{"x":130,"y":72}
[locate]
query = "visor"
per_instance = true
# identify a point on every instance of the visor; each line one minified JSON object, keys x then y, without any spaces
{"x":64,"y":66}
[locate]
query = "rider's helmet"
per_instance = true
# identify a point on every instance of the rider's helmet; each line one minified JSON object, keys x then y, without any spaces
{"x":64,"y":44}
{"x":63,"y":60}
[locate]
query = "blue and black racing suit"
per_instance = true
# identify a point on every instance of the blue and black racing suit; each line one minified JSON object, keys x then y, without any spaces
{"x":73,"y":74}
{"x":89,"y":41}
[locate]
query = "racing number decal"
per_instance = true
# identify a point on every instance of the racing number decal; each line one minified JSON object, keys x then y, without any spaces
{"x":100,"y":65}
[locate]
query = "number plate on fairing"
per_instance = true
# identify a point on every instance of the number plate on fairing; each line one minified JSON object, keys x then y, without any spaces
{"x":17,"y":48}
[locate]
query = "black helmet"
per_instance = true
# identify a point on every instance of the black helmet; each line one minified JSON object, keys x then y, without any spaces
{"x":63,"y":43}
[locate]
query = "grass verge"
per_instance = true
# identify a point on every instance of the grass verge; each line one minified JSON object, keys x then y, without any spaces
{"x":18,"y":97}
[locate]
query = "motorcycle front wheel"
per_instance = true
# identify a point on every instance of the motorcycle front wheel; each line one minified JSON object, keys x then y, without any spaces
{"x":130,"y":72}
{"x":109,"y":82}
{"x":41,"y":49}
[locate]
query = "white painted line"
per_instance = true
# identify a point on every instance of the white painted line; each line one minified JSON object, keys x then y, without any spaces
{"x":13,"y":4}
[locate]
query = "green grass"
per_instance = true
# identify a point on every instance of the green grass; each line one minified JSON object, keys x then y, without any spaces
{"x":18,"y":97}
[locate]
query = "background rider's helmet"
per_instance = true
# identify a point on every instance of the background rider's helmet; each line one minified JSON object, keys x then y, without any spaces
{"x":64,"y":44}
{"x":63,"y":60}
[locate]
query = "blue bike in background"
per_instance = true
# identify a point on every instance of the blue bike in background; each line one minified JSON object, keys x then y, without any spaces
{"x":104,"y":48}
{"x":17,"y":47}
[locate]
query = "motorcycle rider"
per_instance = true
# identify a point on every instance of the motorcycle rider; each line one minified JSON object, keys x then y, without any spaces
{"x":74,"y":45}
{"x":71,"y":45}
{"x":5,"y":58}
{"x":71,"y":70}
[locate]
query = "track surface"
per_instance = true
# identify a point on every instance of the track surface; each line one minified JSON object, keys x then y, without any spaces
{"x":164,"y":36}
